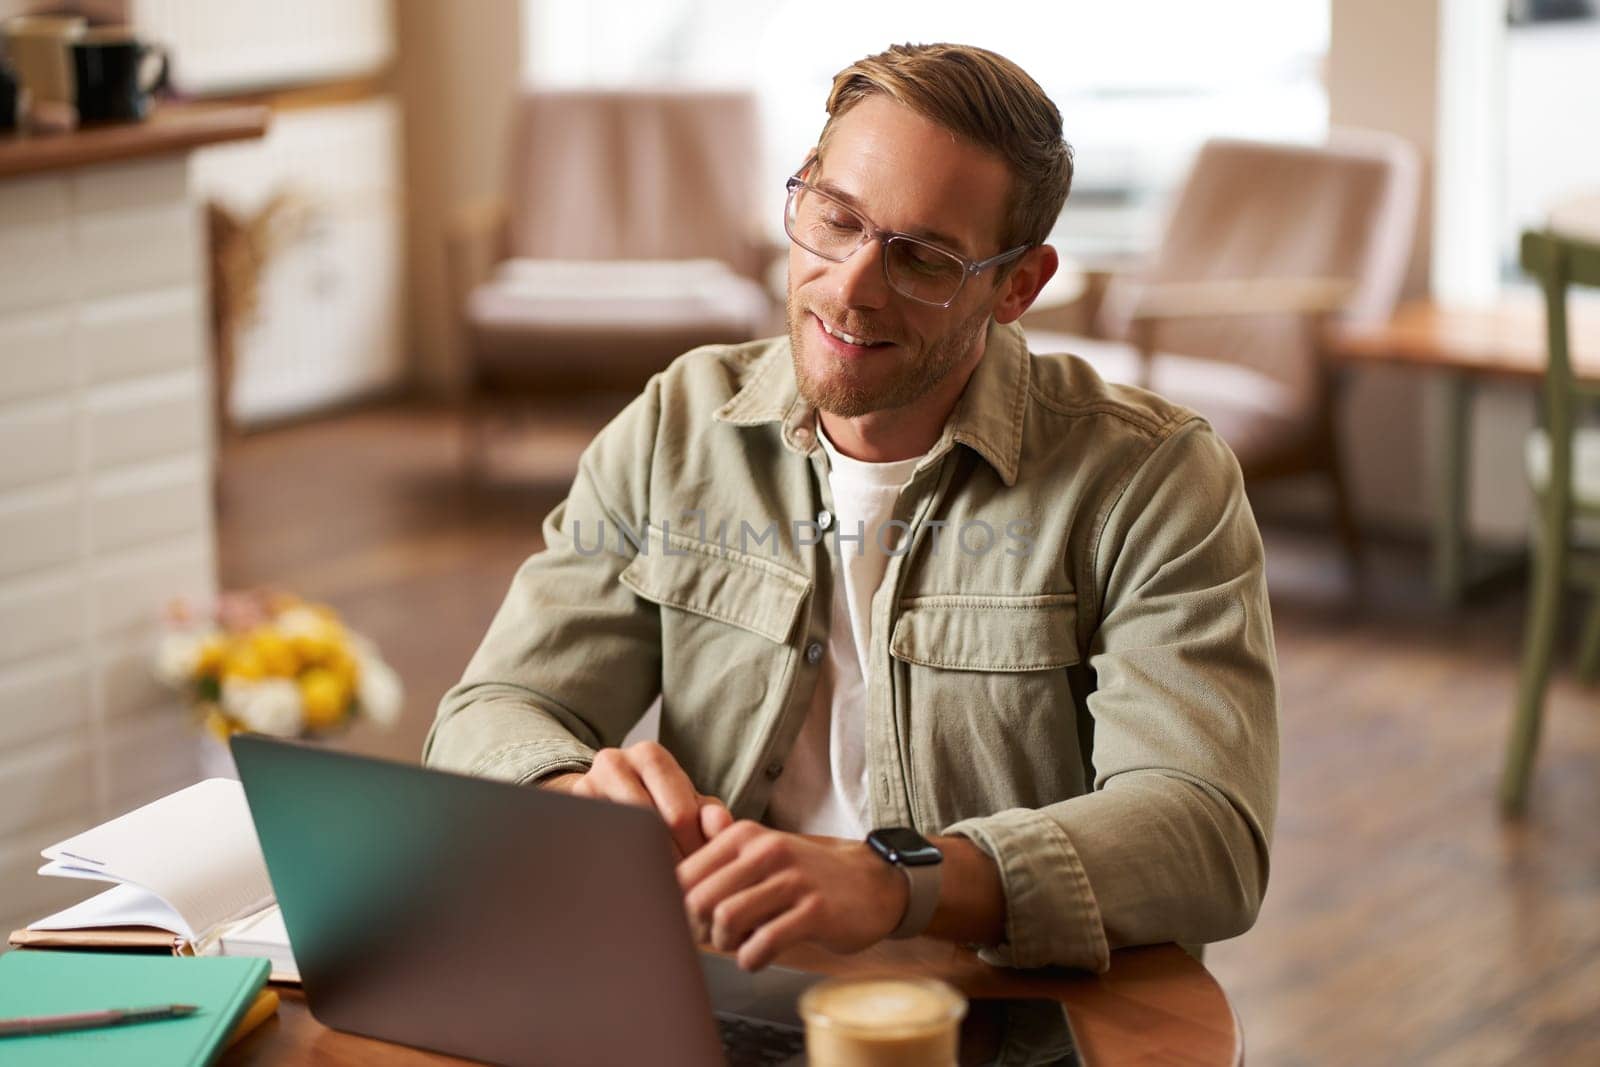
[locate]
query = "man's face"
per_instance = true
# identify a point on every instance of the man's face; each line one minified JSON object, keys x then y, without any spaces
{"x":903,"y":173}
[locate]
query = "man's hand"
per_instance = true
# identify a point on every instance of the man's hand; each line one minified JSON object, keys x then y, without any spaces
{"x":645,"y":774}
{"x":758,"y":891}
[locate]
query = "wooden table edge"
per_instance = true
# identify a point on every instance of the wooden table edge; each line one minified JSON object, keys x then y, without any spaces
{"x":1156,"y":1005}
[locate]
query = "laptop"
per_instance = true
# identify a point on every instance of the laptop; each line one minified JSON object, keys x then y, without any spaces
{"x":523,"y":926}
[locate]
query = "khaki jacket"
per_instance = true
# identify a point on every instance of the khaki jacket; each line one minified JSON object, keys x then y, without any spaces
{"x":1087,"y":691}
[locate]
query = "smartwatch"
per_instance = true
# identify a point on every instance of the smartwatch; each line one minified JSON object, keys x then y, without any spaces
{"x":919,"y":860}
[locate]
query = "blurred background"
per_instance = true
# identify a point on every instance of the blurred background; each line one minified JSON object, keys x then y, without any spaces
{"x":332,"y":308}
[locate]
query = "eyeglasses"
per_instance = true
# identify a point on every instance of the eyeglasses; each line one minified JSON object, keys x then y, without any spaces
{"x":913,"y":268}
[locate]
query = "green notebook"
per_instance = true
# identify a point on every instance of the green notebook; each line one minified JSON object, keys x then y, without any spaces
{"x":41,"y":982}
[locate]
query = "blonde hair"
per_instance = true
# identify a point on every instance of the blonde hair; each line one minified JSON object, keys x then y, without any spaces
{"x":987,"y":100}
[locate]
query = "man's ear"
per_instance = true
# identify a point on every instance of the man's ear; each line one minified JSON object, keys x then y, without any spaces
{"x":1022,"y":286}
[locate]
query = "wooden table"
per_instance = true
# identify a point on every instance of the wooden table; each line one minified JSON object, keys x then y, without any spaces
{"x":1156,"y":1005}
{"x":1462,"y":346}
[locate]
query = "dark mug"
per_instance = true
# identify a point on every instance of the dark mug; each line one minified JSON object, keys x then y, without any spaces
{"x":8,"y":99}
{"x":115,"y":75}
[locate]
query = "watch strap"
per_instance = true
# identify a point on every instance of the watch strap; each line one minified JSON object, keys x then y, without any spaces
{"x":922,"y":900}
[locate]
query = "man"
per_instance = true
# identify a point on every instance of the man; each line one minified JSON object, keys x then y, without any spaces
{"x":891,"y":573}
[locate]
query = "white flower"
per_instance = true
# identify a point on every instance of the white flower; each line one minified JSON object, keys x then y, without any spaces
{"x":271,"y":706}
{"x":300,"y":622}
{"x":178,"y":655}
{"x":379,"y":690}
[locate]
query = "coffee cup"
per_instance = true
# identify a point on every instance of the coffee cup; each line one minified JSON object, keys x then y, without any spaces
{"x":115,"y":74}
{"x":37,"y":48}
{"x":882,"y":1022}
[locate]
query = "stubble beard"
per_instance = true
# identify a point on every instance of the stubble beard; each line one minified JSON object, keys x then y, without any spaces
{"x":914,"y":377}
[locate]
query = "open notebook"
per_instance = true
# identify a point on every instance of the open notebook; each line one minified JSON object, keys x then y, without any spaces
{"x":187,"y":875}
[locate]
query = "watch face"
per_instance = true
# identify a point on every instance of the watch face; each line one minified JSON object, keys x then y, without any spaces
{"x":901,"y":844}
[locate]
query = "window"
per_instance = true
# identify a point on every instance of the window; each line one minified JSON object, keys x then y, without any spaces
{"x":1552,"y":107}
{"x":1140,"y":85}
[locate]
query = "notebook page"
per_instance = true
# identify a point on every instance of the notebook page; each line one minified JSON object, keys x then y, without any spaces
{"x":195,"y":849}
{"x":261,"y":935}
{"x":124,"y":905}
{"x":58,"y":869}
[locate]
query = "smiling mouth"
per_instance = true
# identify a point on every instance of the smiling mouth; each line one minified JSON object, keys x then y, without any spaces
{"x":846,"y":338}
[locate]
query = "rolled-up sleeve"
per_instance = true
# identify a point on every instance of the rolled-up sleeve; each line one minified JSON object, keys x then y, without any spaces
{"x":573,"y":658}
{"x":1171,"y":843}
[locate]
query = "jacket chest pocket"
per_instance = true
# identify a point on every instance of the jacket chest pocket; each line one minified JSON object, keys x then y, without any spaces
{"x":741,"y":591}
{"x":984,"y":703}
{"x":989,"y":634}
{"x":726,"y":657}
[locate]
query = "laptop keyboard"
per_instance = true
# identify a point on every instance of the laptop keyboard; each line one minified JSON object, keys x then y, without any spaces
{"x":753,"y":1044}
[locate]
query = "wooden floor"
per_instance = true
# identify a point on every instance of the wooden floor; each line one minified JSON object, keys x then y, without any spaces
{"x":1405,"y":923}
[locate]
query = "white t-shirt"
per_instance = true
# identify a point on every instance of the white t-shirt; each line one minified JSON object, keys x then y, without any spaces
{"x":823,"y":788}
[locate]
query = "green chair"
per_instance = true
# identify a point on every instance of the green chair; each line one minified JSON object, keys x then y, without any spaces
{"x":1564,"y":468}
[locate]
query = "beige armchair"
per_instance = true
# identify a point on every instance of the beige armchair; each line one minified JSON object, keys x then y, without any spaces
{"x":630,"y":234}
{"x":1263,"y":243}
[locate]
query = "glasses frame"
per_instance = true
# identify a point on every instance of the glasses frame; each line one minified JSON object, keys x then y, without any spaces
{"x":970,"y":268}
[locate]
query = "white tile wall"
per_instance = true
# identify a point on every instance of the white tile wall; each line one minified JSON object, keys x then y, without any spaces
{"x":104,"y":501}
{"x":35,"y":244}
{"x":40,"y":614}
{"x":38,"y":355}
{"x":38,"y":528}
{"x":147,"y":333}
{"x":148,"y":502}
{"x":45,"y":781}
{"x":43,"y":697}
{"x":39,"y":442}
{"x":150,"y":418}
{"x":135,"y":250}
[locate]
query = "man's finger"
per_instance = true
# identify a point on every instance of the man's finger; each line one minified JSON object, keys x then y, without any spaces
{"x":672,"y":793}
{"x":735,"y":918}
{"x":613,"y":778}
{"x":714,"y":817}
{"x":790,"y":928}
{"x":751,"y":865}
{"x":717,"y":853}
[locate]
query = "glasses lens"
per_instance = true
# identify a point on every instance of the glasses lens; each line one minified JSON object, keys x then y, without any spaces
{"x":825,"y":227}
{"x":822,"y":225}
{"x":921,"y":271}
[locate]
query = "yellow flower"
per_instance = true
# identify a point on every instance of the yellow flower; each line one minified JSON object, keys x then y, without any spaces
{"x":325,"y":696}
{"x":343,"y":663}
{"x":244,"y":662}
{"x":318,"y":647}
{"x":277,"y":655}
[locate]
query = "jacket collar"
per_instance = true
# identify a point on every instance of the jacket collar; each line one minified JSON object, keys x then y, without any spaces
{"x":987,"y":418}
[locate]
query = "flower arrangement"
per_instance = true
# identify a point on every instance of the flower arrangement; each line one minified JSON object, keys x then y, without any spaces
{"x":274,"y":664}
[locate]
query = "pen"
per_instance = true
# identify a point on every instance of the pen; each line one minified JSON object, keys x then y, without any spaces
{"x":84,"y":1020}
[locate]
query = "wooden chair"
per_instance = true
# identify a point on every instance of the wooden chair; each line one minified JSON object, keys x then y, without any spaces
{"x":1263,"y":244}
{"x":1564,"y":468}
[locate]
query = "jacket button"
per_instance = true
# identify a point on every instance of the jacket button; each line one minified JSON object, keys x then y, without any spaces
{"x":824,"y":519}
{"x":813,"y":653}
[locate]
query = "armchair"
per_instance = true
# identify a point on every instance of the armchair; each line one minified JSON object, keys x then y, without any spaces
{"x":630,"y":233}
{"x":1264,"y":244}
